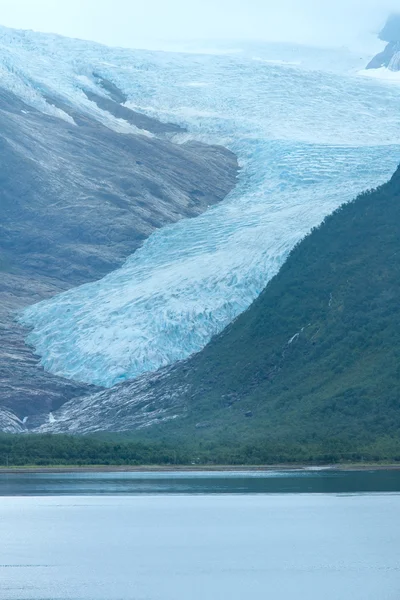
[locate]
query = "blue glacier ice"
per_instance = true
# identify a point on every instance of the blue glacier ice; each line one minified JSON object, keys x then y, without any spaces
{"x":310,"y":133}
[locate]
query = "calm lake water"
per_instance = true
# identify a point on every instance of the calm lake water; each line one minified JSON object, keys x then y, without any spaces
{"x":302,"y":481}
{"x":200,"y":536}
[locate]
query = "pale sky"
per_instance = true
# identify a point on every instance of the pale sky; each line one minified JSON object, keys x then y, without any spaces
{"x":130,"y":22}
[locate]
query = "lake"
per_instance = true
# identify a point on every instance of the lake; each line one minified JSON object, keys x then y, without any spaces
{"x":306,"y":535}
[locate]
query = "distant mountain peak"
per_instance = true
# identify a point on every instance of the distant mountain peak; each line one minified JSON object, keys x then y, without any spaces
{"x":391,"y":30}
{"x":390,"y":56}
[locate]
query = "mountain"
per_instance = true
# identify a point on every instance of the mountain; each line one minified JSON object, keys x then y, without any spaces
{"x":390,"y":56}
{"x":83,"y":182}
{"x":309,"y":135}
{"x":106,"y":146}
{"x":315,"y":359}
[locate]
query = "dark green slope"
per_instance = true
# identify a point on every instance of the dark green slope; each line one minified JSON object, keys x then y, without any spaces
{"x":316,"y":358}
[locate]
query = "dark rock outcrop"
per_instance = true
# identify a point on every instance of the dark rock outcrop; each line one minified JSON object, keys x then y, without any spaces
{"x":390,"y":57}
{"x":75,"y":201}
{"x":391,"y":32}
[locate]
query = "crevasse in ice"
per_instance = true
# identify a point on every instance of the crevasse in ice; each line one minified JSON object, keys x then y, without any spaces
{"x":309,"y":133}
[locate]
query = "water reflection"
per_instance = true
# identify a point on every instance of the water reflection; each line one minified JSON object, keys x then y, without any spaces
{"x":328,"y":481}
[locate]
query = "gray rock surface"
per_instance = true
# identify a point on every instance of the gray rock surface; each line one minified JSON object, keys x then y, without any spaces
{"x":9,"y":423}
{"x":391,"y":31}
{"x":75,"y":201}
{"x":152,"y":399}
{"x":390,"y":57}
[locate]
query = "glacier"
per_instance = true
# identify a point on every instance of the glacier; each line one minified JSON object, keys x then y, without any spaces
{"x":310,"y":134}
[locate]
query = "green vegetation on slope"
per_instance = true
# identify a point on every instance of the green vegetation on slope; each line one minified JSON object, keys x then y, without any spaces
{"x":314,"y":361}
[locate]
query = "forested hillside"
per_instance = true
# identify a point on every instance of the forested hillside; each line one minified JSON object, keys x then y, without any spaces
{"x":316,"y":357}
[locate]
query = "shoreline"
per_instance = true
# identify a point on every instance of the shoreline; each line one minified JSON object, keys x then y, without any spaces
{"x":36,"y":470}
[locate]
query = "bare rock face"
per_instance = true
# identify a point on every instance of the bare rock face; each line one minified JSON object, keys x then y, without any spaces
{"x":391,"y":32}
{"x":75,"y":202}
{"x":390,"y":57}
{"x":9,"y":422}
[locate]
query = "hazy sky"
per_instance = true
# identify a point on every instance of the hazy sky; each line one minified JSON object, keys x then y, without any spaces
{"x":130,"y":22}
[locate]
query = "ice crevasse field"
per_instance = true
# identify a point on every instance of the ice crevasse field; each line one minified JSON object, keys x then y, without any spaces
{"x":310,"y":131}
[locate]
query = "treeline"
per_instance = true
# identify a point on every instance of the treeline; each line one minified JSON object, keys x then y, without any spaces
{"x":59,"y":450}
{"x":40,"y":450}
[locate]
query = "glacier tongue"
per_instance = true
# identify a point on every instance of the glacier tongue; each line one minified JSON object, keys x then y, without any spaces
{"x":308,"y":139}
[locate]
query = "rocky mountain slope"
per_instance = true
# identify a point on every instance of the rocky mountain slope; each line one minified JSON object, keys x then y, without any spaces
{"x":390,"y":56}
{"x":77,"y":198}
{"x":316,"y":356}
